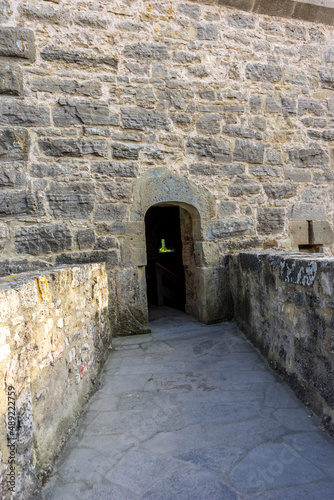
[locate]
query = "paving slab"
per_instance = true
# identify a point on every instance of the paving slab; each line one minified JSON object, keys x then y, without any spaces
{"x":193,"y":412}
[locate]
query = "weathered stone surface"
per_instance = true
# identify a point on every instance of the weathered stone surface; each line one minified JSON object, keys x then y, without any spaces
{"x":21,"y":204}
{"x":229,"y":170}
{"x":246,"y":133}
{"x":145,"y":97}
{"x":110,"y":212}
{"x":272,"y":105}
{"x":85,"y":238}
{"x":227,"y":228}
{"x":249,"y":152}
{"x":91,"y":21}
{"x":81,"y":58}
{"x":59,"y":331}
{"x":11,"y":80}
{"x":11,"y":178}
{"x":45,"y":14}
{"x":116,"y":191}
{"x":14,"y":144}
{"x":206,"y":31}
{"x":297,"y":175}
{"x":270,"y":220}
{"x":327,"y":80}
{"x":66,"y":86}
{"x":72,"y":147}
{"x":226,"y":209}
{"x":74,"y":112}
{"x":244,"y":187}
{"x":263,"y":73}
{"x":147,"y":52}
{"x":140,"y":119}
{"x":189,"y":10}
{"x":289,"y":105}
{"x":209,"y":124}
{"x":70,"y":200}
{"x":264,"y":172}
{"x":5,"y":10}
{"x":17,"y":42}
{"x":14,"y":113}
{"x":311,"y":107}
{"x":314,"y":156}
{"x":125,"y":151}
{"x":107,"y":169}
{"x":255,"y":103}
{"x":209,"y":148}
{"x":307,"y":211}
{"x":280,"y":191}
{"x":241,"y":21}
{"x":42,"y":239}
{"x":110,"y":258}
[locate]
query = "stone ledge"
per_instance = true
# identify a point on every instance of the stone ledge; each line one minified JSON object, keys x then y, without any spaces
{"x":293,"y":9}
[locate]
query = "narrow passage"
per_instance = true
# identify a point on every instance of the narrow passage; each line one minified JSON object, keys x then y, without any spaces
{"x":191,"y":412}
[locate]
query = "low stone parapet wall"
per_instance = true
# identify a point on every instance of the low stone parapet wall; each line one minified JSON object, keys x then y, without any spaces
{"x":54,"y":337}
{"x":285,"y":304}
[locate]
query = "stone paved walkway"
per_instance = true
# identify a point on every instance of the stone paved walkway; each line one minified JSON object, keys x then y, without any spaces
{"x":191,"y":412}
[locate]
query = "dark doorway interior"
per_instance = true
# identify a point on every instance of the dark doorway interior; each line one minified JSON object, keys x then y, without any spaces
{"x":164,"y":270}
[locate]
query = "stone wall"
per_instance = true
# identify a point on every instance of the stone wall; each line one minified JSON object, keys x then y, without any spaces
{"x":54,"y":337}
{"x":93,"y":96}
{"x":284,"y":304}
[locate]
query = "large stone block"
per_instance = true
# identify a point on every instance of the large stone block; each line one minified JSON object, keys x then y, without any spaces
{"x":307,"y":106}
{"x":17,"y":42}
{"x":249,"y":152}
{"x":313,"y":156}
{"x":209,"y":148}
{"x":208,"y":124}
{"x":147,"y":52}
{"x":307,"y":211}
{"x":110,"y":169}
{"x":11,"y":79}
{"x":110,"y":258}
{"x":246,"y":133}
{"x":321,"y":233}
{"x":73,"y":147}
{"x":21,"y":204}
{"x":42,"y":239}
{"x":280,"y":191}
{"x":75,"y":112}
{"x":299,"y":233}
{"x":11,"y":177}
{"x":110,"y":212}
{"x":244,"y":187}
{"x":327,"y":79}
{"x":116,"y":191}
{"x":14,"y":113}
{"x":125,"y":151}
{"x":207,"y":31}
{"x":14,"y":144}
{"x":45,"y":14}
{"x":270,"y":220}
{"x":189,"y":10}
{"x":66,"y":86}
{"x":81,"y":58}
{"x":263,"y":73}
{"x":74,"y":200}
{"x":227,"y":228}
{"x":228,"y":170}
{"x":85,"y":238}
{"x":141,"y":119}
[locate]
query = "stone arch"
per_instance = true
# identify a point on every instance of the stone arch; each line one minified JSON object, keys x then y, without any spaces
{"x":158,"y":186}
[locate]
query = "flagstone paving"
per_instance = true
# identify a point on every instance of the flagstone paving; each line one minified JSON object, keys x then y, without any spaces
{"x":192,"y":412}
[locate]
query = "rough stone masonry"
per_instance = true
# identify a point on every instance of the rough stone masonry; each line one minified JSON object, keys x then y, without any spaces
{"x":95,"y":95}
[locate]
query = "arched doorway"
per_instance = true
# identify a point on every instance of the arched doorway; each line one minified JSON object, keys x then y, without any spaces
{"x":165,"y":277}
